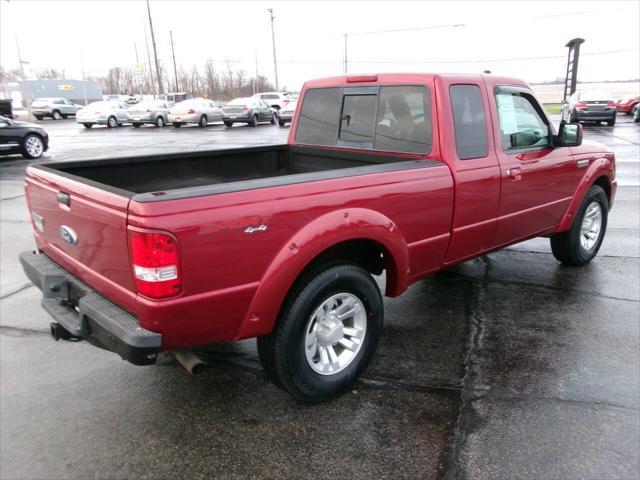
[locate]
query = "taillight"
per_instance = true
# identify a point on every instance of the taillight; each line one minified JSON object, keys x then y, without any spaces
{"x":581,"y":105}
{"x":285,"y":101}
{"x":154,"y":258}
{"x":149,"y":110}
{"x":191,"y":111}
{"x":245,"y":108}
{"x":612,"y":104}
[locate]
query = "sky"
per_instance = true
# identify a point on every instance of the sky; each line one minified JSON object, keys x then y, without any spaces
{"x":506,"y":37}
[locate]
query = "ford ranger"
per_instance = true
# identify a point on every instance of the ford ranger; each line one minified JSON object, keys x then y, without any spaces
{"x":406,"y":174}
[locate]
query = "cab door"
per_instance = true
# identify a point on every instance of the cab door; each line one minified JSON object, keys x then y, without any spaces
{"x":536,"y":178}
{"x":472,"y":158}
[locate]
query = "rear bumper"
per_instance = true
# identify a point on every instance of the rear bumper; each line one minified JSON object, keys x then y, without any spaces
{"x":239,"y":117}
{"x":94,"y":318}
{"x":586,"y":115}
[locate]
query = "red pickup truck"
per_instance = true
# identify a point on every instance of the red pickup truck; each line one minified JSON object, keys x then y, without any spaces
{"x":406,"y":174}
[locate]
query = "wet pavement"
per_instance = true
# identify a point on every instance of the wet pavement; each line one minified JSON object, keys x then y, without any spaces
{"x":508,"y":366}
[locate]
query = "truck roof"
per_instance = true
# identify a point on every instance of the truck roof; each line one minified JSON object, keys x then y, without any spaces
{"x":377,"y":78}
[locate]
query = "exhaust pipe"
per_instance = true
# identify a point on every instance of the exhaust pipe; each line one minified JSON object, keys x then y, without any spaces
{"x":58,"y":332}
{"x":190,"y":361}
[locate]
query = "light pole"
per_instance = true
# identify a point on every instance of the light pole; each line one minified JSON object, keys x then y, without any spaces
{"x":345,"y":53}
{"x":273,"y":40}
{"x":173,"y":54}
{"x":155,"y":51}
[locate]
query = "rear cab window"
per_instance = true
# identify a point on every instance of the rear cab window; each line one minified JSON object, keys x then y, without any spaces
{"x":469,"y":121}
{"x":393,"y":118}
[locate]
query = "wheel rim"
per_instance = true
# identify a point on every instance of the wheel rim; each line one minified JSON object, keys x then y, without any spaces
{"x":335,"y":333}
{"x":591,"y":226}
{"x":56,"y":116}
{"x":160,"y":122}
{"x":112,"y":122}
{"x":203,"y":122}
{"x":34,"y":146}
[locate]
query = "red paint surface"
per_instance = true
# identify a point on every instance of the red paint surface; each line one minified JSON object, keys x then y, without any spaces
{"x":234,"y":283}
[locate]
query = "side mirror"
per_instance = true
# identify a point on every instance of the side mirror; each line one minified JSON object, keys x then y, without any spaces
{"x":569,"y":135}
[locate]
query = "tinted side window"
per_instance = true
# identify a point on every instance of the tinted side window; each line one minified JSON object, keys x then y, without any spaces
{"x":318,"y":122}
{"x":521,"y":124}
{"x":403,"y":122}
{"x":469,"y":121}
{"x":357,"y":123}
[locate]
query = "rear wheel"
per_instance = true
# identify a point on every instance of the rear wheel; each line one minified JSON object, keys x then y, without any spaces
{"x":254,"y":121}
{"x":228,"y":124}
{"x":87,"y":125}
{"x":177,"y":125}
{"x":203,"y":121}
{"x":281,"y":123}
{"x":112,"y":122}
{"x":32,"y":146}
{"x":326,"y":333}
{"x":581,"y":243}
{"x":39,"y":117}
{"x":611,"y":123}
{"x":56,"y":115}
{"x":159,"y":122}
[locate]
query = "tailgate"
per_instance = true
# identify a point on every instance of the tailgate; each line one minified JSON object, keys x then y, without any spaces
{"x":84,"y":229}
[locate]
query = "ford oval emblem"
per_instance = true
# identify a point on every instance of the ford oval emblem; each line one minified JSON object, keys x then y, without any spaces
{"x":69,"y":235}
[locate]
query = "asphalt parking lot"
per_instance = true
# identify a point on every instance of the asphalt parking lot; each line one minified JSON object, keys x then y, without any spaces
{"x":509,"y":366}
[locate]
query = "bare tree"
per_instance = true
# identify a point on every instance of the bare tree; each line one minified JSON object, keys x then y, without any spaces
{"x":50,"y":74}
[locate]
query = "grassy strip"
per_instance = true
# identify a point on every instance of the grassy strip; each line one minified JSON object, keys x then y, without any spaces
{"x":553,"y":108}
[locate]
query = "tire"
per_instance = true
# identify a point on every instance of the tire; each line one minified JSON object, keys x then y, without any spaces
{"x":203,"y":121}
{"x":636,"y":114}
{"x":65,"y":117}
{"x":283,"y":352}
{"x":136,"y":125}
{"x":38,"y":117}
{"x":159,"y":121}
{"x":611,"y":123}
{"x":228,"y":124}
{"x":254,"y":121}
{"x":281,"y":123}
{"x":631,"y":109}
{"x":87,"y":125}
{"x":177,"y":125}
{"x":112,"y":122}
{"x":56,"y":115}
{"x":569,"y":247}
{"x":32,"y":146}
{"x":274,"y":119}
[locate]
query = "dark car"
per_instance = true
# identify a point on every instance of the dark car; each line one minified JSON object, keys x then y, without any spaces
{"x":248,"y":110}
{"x":590,"y":106}
{"x":21,"y":137}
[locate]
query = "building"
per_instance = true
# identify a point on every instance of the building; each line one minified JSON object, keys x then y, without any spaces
{"x":78,"y":91}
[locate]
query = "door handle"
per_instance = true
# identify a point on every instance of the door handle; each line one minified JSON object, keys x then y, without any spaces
{"x":515,"y":173}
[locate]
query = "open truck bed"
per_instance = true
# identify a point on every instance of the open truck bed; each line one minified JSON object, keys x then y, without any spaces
{"x":184,"y":175}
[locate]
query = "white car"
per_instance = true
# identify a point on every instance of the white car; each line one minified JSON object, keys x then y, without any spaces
{"x":111,"y":114}
{"x":55,"y":108}
{"x":197,"y":110}
{"x":275,"y":100}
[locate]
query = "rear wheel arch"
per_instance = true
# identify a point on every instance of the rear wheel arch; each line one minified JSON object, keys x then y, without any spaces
{"x":348,"y":244}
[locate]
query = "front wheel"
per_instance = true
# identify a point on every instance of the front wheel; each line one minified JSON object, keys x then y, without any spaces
{"x":326,"y":333}
{"x":160,"y":121}
{"x":281,"y":123}
{"x":274,"y":119}
{"x":56,"y":115}
{"x":136,"y":125}
{"x":87,"y":125}
{"x":611,"y":123}
{"x":581,"y":243}
{"x":32,"y":146}
{"x":228,"y":124}
{"x":177,"y":125}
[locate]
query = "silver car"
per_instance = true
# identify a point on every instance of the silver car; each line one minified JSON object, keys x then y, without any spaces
{"x":55,"y":108}
{"x":111,"y":114}
{"x":197,"y":110}
{"x":155,"y":112}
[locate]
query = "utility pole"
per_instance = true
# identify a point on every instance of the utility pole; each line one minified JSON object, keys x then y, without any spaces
{"x":155,"y":51}
{"x":84,"y":87}
{"x":345,"y":53}
{"x":273,"y":40}
{"x":146,"y":41}
{"x":175,"y":69}
{"x":138,"y":70}
{"x":26,"y":90}
{"x":255,"y":82}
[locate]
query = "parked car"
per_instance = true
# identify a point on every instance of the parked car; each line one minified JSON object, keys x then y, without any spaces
{"x":198,"y":110}
{"x":590,"y":106}
{"x":275,"y":100}
{"x":155,"y":112}
{"x":6,"y":108}
{"x":407,"y":174}
{"x":55,"y":108}
{"x":627,"y":105}
{"x":111,"y":114}
{"x":27,"y":139}
{"x":175,"y":97}
{"x":249,"y":110}
{"x":285,"y":115}
{"x":636,"y":113}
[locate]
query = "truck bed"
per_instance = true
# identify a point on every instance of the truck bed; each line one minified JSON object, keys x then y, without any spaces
{"x":183,"y":175}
